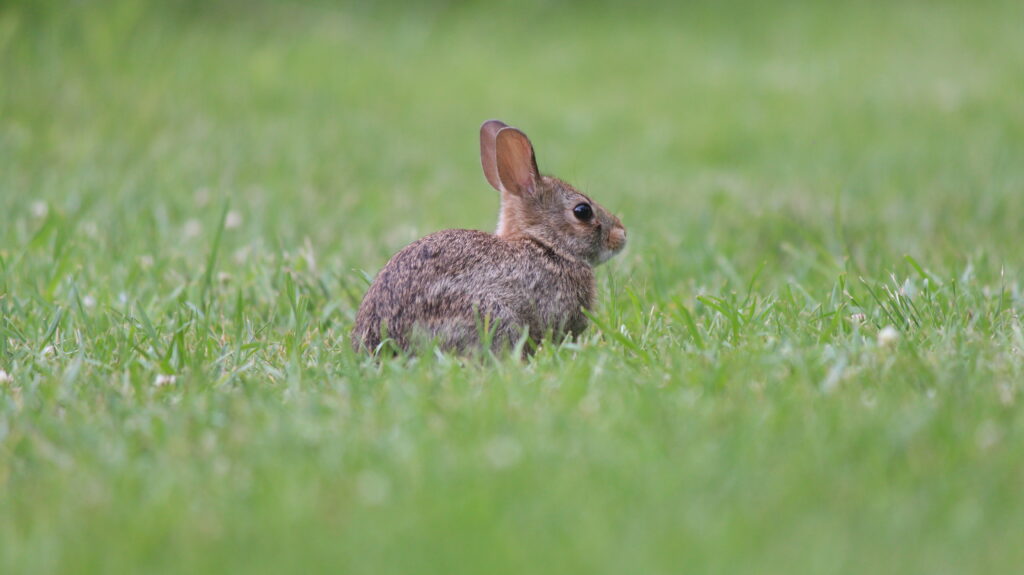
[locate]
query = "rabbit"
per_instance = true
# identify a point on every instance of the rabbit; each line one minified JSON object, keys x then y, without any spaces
{"x":532,"y":278}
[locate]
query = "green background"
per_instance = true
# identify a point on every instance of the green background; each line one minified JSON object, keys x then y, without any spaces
{"x":200,"y":190}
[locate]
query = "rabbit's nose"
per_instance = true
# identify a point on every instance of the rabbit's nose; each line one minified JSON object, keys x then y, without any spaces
{"x":617,"y":238}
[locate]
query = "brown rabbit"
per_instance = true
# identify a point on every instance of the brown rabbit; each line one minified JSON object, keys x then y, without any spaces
{"x":533,"y":277}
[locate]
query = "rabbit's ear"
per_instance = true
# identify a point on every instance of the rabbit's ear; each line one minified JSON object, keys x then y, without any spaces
{"x":488,"y":158}
{"x":517,"y":166}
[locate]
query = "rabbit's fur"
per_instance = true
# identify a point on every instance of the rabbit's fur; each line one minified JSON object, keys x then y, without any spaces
{"x":533,"y":277}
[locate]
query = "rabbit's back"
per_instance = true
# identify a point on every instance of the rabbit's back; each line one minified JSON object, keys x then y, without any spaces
{"x":446,"y":286}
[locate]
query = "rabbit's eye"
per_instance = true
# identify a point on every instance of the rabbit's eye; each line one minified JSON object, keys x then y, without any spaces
{"x":583,"y":212}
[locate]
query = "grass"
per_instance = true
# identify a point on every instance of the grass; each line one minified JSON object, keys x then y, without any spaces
{"x":193,"y":195}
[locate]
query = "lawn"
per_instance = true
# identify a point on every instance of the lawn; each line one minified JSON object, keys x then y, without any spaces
{"x":808,"y":359}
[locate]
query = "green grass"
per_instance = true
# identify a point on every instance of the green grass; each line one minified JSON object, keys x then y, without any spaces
{"x":195,"y":190}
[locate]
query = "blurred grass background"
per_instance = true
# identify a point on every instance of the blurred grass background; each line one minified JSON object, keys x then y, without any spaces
{"x":192,"y":189}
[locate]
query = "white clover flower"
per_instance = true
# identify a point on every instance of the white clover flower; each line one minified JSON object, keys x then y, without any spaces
{"x":233,"y":220}
{"x":888,"y":336}
{"x":40,"y":209}
{"x":163,"y":379}
{"x":192,"y":228}
{"x":241,"y":254}
{"x":5,"y":377}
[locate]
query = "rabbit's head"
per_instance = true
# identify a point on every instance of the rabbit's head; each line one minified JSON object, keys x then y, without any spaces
{"x":544,"y":207}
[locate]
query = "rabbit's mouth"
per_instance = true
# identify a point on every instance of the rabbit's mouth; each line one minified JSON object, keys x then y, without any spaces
{"x":614,"y":244}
